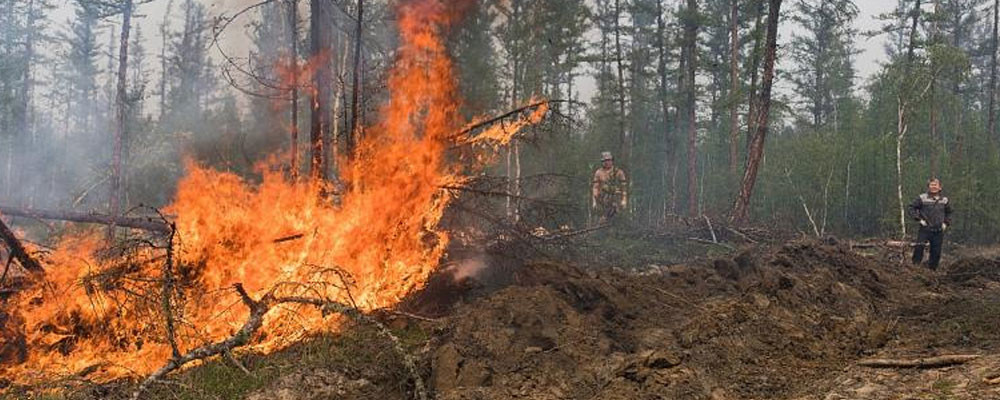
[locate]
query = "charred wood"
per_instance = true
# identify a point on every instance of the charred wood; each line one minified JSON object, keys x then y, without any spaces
{"x":17,"y":250}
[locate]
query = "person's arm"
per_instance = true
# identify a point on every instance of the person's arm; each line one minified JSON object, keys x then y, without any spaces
{"x":914,"y":210}
{"x":947,"y":213}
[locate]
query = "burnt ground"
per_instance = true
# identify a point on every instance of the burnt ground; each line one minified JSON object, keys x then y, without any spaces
{"x":779,"y":321}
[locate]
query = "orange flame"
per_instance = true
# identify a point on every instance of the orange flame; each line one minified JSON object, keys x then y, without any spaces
{"x":377,"y":245}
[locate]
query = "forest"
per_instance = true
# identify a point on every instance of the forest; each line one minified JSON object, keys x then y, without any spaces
{"x":210,"y":189}
{"x":673,"y":89}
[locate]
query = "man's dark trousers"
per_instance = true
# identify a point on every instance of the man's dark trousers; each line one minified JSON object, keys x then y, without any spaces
{"x":936,"y":237}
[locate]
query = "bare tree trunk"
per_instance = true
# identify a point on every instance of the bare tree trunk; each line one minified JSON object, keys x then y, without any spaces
{"x":741,"y":207}
{"x":901,"y":128}
{"x":355,"y":133}
{"x":293,"y":26}
{"x":935,"y":141}
{"x":514,"y":150}
{"x":754,"y":71}
{"x":22,"y":109}
{"x":911,"y":47}
{"x":691,"y":42}
{"x":121,"y":117}
{"x":164,"y":36}
{"x":340,"y":111}
{"x":734,"y":86}
{"x":320,"y":32}
{"x":661,"y":28}
{"x":992,"y":118}
{"x":625,"y":146}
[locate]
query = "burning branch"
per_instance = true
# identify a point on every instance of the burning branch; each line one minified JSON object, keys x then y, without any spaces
{"x":144,"y":223}
{"x":17,"y":249}
{"x":468,"y":130}
{"x":168,"y":289}
{"x":241,"y":338}
{"x":258,"y":309}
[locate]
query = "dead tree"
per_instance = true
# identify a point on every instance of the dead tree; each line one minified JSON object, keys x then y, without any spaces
{"x":742,"y":204}
{"x":121,"y":118}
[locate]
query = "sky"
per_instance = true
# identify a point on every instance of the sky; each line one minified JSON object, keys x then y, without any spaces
{"x":150,"y":15}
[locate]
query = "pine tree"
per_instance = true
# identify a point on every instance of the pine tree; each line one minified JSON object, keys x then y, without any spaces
{"x":188,"y":71}
{"x":823,"y":52}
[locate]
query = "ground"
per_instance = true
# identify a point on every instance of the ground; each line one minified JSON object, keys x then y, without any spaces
{"x":648,"y":317}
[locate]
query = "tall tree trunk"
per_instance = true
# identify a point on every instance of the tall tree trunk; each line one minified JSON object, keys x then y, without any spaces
{"x":625,"y":147}
{"x":340,"y":108}
{"x":23,"y":110}
{"x":755,"y":70}
{"x":514,"y":151}
{"x":661,"y":28}
{"x":991,"y":124}
{"x":741,"y":206}
{"x":691,"y":42}
{"x":121,"y":118}
{"x":935,"y":141}
{"x":164,"y":37}
{"x":293,"y":147}
{"x":901,"y":128}
{"x":355,"y":133}
{"x":911,"y":47}
{"x":320,"y":27}
{"x":734,"y":85}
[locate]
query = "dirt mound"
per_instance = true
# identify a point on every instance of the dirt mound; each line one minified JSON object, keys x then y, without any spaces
{"x":978,"y":270}
{"x":778,"y":323}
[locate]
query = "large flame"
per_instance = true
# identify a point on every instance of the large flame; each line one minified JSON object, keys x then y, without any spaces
{"x":371,"y":244}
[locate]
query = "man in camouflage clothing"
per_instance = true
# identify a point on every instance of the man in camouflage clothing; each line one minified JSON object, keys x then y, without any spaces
{"x":609,"y":193}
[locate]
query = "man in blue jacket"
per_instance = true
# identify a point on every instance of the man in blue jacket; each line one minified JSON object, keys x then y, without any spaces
{"x":933,"y":211}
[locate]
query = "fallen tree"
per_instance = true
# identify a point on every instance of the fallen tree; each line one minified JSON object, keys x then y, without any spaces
{"x":17,"y":250}
{"x":153,"y":224}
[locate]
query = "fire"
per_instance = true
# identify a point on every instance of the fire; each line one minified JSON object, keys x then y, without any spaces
{"x":375,"y":243}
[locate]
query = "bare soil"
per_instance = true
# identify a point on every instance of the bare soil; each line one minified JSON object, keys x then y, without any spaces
{"x":782,"y":321}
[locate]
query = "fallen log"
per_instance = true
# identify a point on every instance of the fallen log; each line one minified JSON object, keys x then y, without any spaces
{"x":929,"y":362}
{"x":17,"y":250}
{"x":153,"y":224}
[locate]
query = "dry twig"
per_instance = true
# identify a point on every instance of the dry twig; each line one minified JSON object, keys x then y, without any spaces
{"x":930,"y":362}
